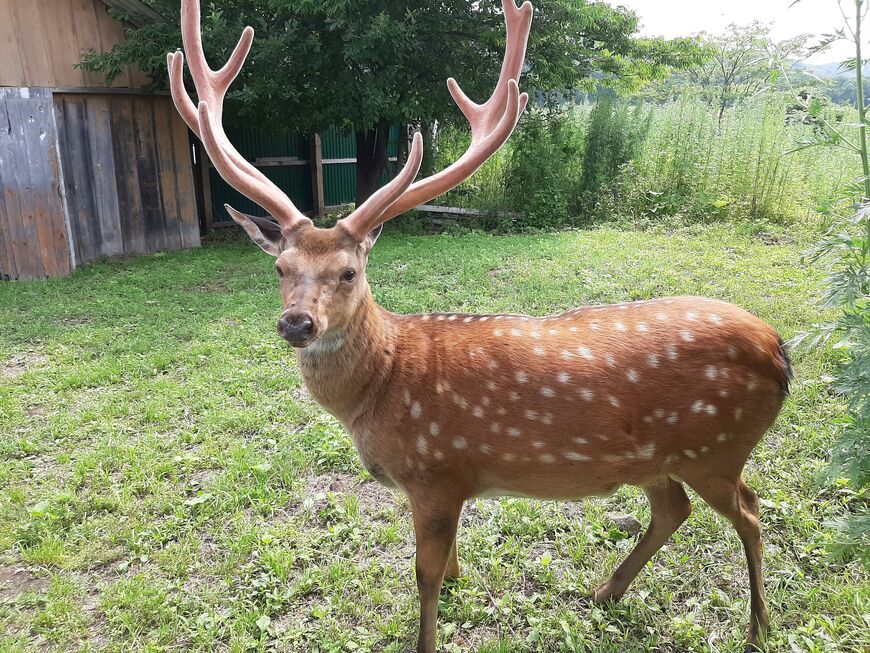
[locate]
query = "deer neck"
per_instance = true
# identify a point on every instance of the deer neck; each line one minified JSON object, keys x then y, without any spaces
{"x":345,"y":369}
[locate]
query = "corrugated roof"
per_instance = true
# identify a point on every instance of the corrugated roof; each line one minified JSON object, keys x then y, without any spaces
{"x":137,"y":10}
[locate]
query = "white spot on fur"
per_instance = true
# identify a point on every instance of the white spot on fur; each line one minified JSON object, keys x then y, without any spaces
{"x":459,"y":443}
{"x":687,"y":336}
{"x":587,"y":394}
{"x":422,"y":445}
{"x":692,"y":316}
{"x":711,"y":372}
{"x":516,"y":332}
{"x":485,"y":400}
{"x":460,"y":401}
{"x":732,"y":352}
{"x":438,"y":455}
{"x":646,"y":452}
{"x":547,"y":458}
{"x":434,"y":429}
{"x":620,"y":326}
{"x":567,"y":355}
{"x":540,"y":351}
{"x":672,"y":418}
{"x":498,"y":333}
{"x":672,"y":352}
{"x":585,"y":352}
{"x":595,"y":325}
{"x":613,"y":401}
{"x":563,"y":377}
{"x":532,"y":414}
{"x":738,"y":414}
{"x":491,"y":386}
{"x":547,"y":392}
{"x":521,"y":377}
{"x":633,"y":376}
{"x":722,"y":437}
{"x":581,"y":440}
{"x":547,"y":418}
{"x":573,"y":455}
{"x":508,"y":457}
{"x":662,"y":317}
{"x":416,"y":410}
{"x":468,"y":319}
{"x":535,"y":334}
{"x":514,"y":396}
{"x":406,"y":397}
{"x":453,"y":317}
{"x":538,"y":444}
{"x":654,"y":360}
{"x":611,"y":361}
{"x":477,"y":411}
{"x":643,"y":327}
{"x":514,"y":432}
{"x":485,"y":448}
{"x":495,"y":427}
{"x":690,"y":454}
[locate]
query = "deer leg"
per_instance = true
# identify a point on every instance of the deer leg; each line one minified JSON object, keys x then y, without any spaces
{"x":453,"y":569}
{"x":739,"y":503}
{"x":435,"y":523}
{"x":669,"y":507}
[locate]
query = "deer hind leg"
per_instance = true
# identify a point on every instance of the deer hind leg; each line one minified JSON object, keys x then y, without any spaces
{"x":435,"y":523}
{"x":453,"y":568}
{"x":734,"y":499}
{"x":669,"y":508}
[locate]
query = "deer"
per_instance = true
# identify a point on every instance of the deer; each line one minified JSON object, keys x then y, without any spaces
{"x":658,"y":394}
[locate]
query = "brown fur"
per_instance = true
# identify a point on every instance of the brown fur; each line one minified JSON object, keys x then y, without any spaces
{"x":449,"y":407}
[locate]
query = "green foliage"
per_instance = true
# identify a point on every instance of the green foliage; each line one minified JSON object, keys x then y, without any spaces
{"x":659,"y":163}
{"x":543,"y":169}
{"x":614,"y":137}
{"x":321,"y":63}
{"x":846,"y":250}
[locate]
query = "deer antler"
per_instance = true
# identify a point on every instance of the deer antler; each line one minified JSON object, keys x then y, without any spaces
{"x":491,"y":125}
{"x":206,"y":119}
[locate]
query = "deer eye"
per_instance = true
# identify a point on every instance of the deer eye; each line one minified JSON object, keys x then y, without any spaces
{"x":349,"y":275}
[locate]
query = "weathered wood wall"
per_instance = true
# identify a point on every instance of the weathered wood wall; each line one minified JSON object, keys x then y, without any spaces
{"x":129,"y":176}
{"x":41,"y":41}
{"x":34,"y":240}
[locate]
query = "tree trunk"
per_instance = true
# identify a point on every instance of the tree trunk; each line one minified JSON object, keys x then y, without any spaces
{"x":371,"y":160}
{"x":427,"y":166}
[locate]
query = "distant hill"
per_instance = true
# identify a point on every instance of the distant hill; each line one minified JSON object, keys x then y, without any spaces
{"x":830,"y":70}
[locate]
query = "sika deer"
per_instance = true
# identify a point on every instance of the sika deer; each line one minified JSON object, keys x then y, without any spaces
{"x":448,"y":407}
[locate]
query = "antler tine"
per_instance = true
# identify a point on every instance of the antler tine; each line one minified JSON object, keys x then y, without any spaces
{"x":491,"y":122}
{"x":206,"y":120}
{"x":369,"y":215}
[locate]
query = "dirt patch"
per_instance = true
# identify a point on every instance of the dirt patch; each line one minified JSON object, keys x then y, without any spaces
{"x":216,"y":285}
{"x":373,"y":497}
{"x":14,"y":367}
{"x":76,"y":320}
{"x":15,"y":581}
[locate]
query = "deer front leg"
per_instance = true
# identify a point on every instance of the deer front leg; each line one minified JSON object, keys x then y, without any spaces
{"x":435,"y":522}
{"x":453,"y":568}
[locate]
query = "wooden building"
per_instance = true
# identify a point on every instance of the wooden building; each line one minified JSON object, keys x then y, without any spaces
{"x":87,"y":169}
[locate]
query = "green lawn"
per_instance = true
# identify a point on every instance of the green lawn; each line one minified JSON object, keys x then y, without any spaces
{"x":167,"y":483}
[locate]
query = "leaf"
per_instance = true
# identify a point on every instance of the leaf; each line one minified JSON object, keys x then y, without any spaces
{"x":264,"y":622}
{"x":198,"y":499}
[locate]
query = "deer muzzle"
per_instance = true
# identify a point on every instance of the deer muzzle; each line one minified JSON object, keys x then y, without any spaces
{"x":297,"y":328}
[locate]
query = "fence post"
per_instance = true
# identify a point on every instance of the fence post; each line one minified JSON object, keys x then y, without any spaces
{"x":317,"y":176}
{"x":205,"y":181}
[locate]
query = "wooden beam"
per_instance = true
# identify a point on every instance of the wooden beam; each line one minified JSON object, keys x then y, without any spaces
{"x":317,"y":176}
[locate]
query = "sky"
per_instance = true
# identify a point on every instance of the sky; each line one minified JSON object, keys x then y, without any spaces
{"x":672,"y":18}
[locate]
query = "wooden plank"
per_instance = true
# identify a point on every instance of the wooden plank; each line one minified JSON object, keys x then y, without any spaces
{"x":184,"y":179}
{"x":10,"y":205}
{"x":102,"y":170}
{"x":166,"y":170}
{"x":11,"y":66}
{"x":62,"y":50}
{"x":30,"y":259}
{"x":146,"y":161}
{"x":87,"y":235}
{"x":111,"y":32}
{"x":27,"y":23}
{"x":41,"y":143}
{"x":127,"y":175}
{"x":87,"y":37}
{"x":58,"y":219}
{"x":317,"y":192}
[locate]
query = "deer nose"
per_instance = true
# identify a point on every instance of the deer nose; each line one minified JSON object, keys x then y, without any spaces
{"x":295,"y":327}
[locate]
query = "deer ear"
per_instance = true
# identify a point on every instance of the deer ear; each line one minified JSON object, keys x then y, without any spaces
{"x":263,"y":231}
{"x":372,"y":238}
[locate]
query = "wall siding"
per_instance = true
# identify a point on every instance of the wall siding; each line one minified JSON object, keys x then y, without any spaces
{"x":130,"y":187}
{"x":34,"y":240}
{"x":42,"y":41}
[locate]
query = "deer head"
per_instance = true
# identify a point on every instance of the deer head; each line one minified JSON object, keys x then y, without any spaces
{"x":322,"y":271}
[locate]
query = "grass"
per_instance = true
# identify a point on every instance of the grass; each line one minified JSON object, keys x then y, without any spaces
{"x":167,"y":484}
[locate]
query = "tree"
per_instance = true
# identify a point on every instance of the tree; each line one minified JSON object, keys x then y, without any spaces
{"x":743,"y":62}
{"x":363,"y":66}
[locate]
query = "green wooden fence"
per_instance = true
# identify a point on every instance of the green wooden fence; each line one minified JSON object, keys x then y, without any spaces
{"x":289,"y":161}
